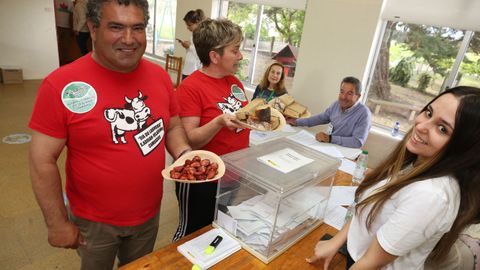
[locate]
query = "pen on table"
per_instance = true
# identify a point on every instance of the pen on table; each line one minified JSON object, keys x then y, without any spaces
{"x":273,"y":163}
{"x":189,"y":253}
{"x":211,"y":248}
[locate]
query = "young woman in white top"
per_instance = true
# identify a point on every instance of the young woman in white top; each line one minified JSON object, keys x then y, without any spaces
{"x":192,"y":63}
{"x":416,"y":203}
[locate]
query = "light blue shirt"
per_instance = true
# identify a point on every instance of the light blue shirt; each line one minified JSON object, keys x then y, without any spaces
{"x":350,"y":128}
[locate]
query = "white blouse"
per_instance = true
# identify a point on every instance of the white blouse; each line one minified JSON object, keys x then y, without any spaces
{"x":410,"y":224}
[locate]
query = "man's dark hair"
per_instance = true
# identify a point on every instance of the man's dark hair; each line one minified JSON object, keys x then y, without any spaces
{"x":94,"y":9}
{"x":355,"y":82}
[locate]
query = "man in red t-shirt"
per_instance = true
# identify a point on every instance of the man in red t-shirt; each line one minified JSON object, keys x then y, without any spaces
{"x":208,"y":99}
{"x":115,"y":113}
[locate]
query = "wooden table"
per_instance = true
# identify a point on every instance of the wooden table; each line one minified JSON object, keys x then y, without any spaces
{"x":294,"y":258}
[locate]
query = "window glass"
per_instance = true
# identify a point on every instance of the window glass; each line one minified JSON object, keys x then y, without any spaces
{"x":280,"y":33}
{"x":413,"y":64}
{"x":279,"y":41}
{"x":244,"y":15}
{"x":161,"y":27}
{"x":150,"y":27}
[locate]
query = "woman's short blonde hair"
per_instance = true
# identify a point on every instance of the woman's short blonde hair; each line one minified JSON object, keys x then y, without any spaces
{"x":215,"y":35}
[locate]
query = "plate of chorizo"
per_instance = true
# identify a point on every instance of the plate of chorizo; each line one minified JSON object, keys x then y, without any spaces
{"x":195,"y":167}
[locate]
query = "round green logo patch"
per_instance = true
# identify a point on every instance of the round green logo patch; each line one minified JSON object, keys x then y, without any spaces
{"x":79,"y":97}
{"x":238,"y":93}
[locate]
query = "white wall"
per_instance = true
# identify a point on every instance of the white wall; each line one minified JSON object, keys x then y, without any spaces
{"x":28,"y":36}
{"x":336,"y":41}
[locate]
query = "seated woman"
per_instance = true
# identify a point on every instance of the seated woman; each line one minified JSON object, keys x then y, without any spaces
{"x":418,"y":201}
{"x":272,"y":83}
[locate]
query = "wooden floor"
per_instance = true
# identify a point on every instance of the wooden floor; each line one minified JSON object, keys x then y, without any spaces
{"x":22,"y":230}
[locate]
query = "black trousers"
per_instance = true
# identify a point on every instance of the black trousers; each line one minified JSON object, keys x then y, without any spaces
{"x":196,"y":205}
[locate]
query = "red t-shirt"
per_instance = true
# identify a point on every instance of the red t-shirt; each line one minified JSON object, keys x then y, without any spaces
{"x":115,"y":126}
{"x":207,"y":97}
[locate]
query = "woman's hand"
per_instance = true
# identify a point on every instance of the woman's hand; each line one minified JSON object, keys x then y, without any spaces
{"x":227,"y":120}
{"x":324,"y":250}
{"x":185,"y":44}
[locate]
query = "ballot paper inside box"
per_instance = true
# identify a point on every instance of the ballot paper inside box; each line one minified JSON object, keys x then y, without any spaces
{"x":269,"y":209}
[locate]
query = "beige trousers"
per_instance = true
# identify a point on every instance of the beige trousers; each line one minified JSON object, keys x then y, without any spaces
{"x":105,"y":242}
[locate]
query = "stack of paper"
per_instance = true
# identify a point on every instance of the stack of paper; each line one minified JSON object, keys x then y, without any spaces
{"x":308,"y":139}
{"x":194,"y":250}
{"x":255,"y":217}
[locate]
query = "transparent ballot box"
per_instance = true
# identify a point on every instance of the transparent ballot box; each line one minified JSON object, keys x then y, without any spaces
{"x":273,"y":194}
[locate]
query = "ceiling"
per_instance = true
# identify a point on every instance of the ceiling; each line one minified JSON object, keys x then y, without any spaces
{"x":460,"y":14}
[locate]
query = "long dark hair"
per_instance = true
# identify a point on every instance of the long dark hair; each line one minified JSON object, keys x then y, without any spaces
{"x":459,"y":158}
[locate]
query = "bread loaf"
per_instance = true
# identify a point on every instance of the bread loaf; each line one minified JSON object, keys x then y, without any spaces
{"x":286,"y":99}
{"x":295,"y":110}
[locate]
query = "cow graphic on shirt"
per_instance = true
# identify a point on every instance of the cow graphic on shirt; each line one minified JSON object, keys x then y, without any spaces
{"x":231,"y":105}
{"x":131,"y":118}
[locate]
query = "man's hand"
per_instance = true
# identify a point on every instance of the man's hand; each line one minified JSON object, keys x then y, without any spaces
{"x":322,"y":137}
{"x":65,"y":235}
{"x":324,"y":250}
{"x":291,"y":121}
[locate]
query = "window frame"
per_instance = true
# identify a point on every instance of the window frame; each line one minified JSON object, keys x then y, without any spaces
{"x":450,"y":81}
{"x":223,"y":4}
{"x":153,"y":23}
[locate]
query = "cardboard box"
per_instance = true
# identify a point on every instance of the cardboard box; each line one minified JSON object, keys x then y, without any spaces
{"x":11,"y":75}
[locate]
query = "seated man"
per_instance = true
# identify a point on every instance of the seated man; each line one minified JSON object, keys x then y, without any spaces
{"x":349,"y":120}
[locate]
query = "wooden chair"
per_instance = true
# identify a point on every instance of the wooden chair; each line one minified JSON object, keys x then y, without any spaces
{"x":174,"y":63}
